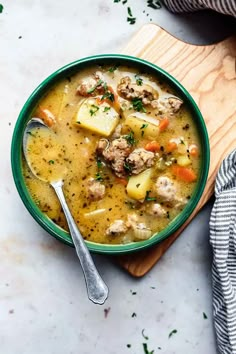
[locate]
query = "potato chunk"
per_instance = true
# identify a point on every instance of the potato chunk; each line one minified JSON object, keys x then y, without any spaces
{"x":143,"y":127}
{"x":101,"y":119}
{"x":138,"y":186}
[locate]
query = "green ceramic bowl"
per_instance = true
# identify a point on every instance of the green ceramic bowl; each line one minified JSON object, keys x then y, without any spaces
{"x":17,"y":156}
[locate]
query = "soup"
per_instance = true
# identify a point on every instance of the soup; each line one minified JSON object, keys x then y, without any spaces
{"x":126,"y":148}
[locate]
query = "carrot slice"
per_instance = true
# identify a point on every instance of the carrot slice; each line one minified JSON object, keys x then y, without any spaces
{"x":122,"y":181}
{"x":184,"y":173}
{"x":164,"y":124}
{"x":194,"y":151}
{"x":171,"y":146}
{"x":153,"y":146}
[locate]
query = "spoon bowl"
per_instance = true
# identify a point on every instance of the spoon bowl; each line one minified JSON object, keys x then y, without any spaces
{"x":96,"y":288}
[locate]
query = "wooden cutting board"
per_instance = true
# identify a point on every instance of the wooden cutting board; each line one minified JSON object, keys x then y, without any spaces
{"x":209,"y":74}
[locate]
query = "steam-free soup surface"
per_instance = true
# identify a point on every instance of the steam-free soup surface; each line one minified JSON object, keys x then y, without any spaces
{"x":126,"y":148}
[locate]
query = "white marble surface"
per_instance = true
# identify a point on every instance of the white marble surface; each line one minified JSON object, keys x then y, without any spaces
{"x":43,"y":303}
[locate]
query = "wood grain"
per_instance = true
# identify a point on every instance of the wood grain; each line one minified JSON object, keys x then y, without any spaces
{"x":209,"y":74}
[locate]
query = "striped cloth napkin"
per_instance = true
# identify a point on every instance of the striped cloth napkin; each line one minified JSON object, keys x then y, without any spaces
{"x":227,"y":7}
{"x":223,"y":216}
{"x":223,"y":241}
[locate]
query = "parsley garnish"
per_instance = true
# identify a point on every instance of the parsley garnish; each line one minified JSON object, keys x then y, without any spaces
{"x":124,"y":2}
{"x":109,"y":95}
{"x":130,"y":19}
{"x":133,"y":292}
{"x":30,"y":133}
{"x":127,"y":167}
{"x":204,"y":316}
{"x":130,"y":138}
{"x":138,"y":105}
{"x":117,"y":0}
{"x":93,"y":110}
{"x":94,"y":87}
{"x":145,"y":337}
{"x":138,"y":79}
{"x":149,"y":199}
{"x":1,"y":8}
{"x":106,"y":109}
{"x":99,"y":163}
{"x":154,"y":4}
{"x":172,"y":332}
{"x":143,"y":127}
{"x":113,"y":68}
{"x":98,"y":177}
{"x":134,"y":314}
{"x":51,"y":162}
{"x":145,"y":348}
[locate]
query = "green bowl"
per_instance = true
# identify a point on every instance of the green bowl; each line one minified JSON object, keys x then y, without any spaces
{"x":17,"y":155}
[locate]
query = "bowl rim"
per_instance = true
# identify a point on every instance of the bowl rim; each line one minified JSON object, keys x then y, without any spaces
{"x":16,"y":154}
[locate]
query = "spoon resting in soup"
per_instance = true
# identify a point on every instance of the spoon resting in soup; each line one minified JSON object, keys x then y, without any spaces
{"x":130,"y":150}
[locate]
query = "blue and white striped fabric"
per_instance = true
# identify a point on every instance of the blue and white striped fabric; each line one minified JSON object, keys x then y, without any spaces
{"x":223,"y":216}
{"x":223,"y":241}
{"x":227,"y":7}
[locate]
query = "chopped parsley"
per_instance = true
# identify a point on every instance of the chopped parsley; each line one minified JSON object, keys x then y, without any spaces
{"x":113,"y":68}
{"x":172,"y":332}
{"x":130,"y":138}
{"x":133,"y":292}
{"x":130,"y":17}
{"x":117,"y":0}
{"x":100,"y":82}
{"x":143,"y":127}
{"x":154,"y":4}
{"x":127,"y":167}
{"x":30,"y":133}
{"x":106,"y":109}
{"x":98,"y":177}
{"x":124,"y":2}
{"x":145,"y":349}
{"x":51,"y":162}
{"x":99,"y":163}
{"x":204,"y":316}
{"x":93,"y":110}
{"x":1,"y":8}
{"x":109,"y":95}
{"x":138,"y":79}
{"x":148,"y":198}
{"x":138,"y":105}
{"x":134,"y":314}
{"x":145,"y":337}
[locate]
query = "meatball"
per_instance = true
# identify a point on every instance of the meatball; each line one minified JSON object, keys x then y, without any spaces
{"x":91,"y":83}
{"x":166,"y":189}
{"x":96,"y":190}
{"x":114,"y":153}
{"x":170,"y":105}
{"x":116,"y":228}
{"x":139,"y":160}
{"x":157,"y":210}
{"x":129,"y":91}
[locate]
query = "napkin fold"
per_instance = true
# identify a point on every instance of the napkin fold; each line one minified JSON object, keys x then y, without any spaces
{"x":227,"y":7}
{"x":223,"y":241}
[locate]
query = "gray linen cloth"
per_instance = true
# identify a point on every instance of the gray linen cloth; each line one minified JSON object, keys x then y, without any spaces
{"x":227,"y":7}
{"x":223,"y":241}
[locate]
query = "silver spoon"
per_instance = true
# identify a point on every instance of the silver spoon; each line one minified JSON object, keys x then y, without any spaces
{"x":96,"y":288}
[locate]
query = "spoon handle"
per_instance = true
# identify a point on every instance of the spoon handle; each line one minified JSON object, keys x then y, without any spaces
{"x":96,"y":288}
